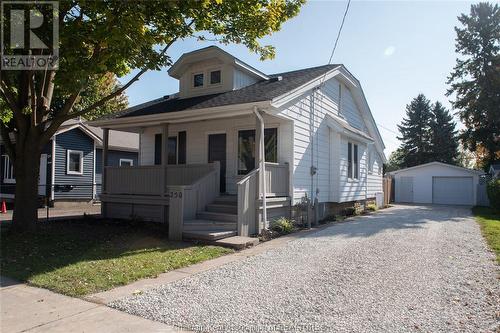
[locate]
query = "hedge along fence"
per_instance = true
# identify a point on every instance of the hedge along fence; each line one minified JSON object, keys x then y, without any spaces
{"x":493,"y":190}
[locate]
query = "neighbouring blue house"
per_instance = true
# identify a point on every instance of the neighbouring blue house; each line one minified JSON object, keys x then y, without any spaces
{"x":71,"y":163}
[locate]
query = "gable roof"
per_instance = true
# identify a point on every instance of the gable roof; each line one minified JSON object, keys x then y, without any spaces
{"x":478,"y":172}
{"x":118,"y":140}
{"x":264,"y":90}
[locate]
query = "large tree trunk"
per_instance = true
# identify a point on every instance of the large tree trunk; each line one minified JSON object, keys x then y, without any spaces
{"x":26,"y":169}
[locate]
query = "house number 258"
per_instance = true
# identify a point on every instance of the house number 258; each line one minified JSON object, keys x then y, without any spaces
{"x":176,"y":195}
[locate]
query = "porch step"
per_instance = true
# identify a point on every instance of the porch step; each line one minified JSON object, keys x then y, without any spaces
{"x":222,"y":208}
{"x":210,"y":235}
{"x":190,"y":225}
{"x":223,"y":217}
{"x":227,"y":200}
{"x":237,"y":242}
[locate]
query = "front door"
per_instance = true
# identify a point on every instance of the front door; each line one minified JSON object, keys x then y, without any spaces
{"x":217,"y":152}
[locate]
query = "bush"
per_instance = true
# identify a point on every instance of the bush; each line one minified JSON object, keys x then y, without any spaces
{"x":350,"y":211}
{"x":282,"y":225}
{"x":371,"y":207}
{"x":494,"y":193}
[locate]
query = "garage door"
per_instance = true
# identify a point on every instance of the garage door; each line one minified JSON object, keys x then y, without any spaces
{"x":452,"y":190}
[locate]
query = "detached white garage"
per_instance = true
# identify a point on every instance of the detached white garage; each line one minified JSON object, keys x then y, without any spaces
{"x":436,"y":183}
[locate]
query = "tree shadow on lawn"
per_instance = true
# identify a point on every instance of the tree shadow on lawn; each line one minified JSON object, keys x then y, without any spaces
{"x":94,"y":249}
{"x":397,"y":218}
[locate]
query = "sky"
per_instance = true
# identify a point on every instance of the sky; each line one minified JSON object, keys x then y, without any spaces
{"x":396,"y":49}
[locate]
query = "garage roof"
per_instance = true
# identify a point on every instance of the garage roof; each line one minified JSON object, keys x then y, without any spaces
{"x":478,"y":172}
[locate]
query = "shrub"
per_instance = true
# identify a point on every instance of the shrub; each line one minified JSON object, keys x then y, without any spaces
{"x":494,"y":193}
{"x":350,"y":211}
{"x":282,"y":225}
{"x":371,"y":207}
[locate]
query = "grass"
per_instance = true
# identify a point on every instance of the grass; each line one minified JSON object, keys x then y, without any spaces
{"x":84,"y":257}
{"x":490,"y":227}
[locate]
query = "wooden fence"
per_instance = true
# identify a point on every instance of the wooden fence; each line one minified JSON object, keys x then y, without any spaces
{"x":387,"y":186}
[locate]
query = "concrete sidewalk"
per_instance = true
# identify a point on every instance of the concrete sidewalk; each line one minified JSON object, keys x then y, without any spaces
{"x":29,"y":309}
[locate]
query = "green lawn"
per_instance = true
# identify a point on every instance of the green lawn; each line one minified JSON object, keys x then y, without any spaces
{"x":84,"y":257}
{"x":490,"y":226}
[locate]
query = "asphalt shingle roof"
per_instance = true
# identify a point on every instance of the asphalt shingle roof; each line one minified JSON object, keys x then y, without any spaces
{"x":261,"y":91}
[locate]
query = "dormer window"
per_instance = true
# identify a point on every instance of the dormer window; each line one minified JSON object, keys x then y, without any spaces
{"x":198,"y":80}
{"x":215,"y":77}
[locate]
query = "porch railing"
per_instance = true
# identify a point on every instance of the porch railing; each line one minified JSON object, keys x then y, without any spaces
{"x":147,"y":180}
{"x":138,"y":180}
{"x":277,"y":184}
{"x":202,"y":192}
{"x":247,"y":203}
{"x":277,"y":179}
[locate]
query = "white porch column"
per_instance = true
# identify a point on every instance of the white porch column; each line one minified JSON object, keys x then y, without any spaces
{"x":261,"y":158}
{"x":105,"y":144}
{"x":105,"y":147}
{"x":164,"y":159}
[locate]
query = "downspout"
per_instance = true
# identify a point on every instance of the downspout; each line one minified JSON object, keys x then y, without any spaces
{"x":262,"y":165}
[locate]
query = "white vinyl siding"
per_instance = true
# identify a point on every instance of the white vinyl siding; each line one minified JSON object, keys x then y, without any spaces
{"x":330,"y":155}
{"x":374,"y":178}
{"x":241,"y":79}
{"x":352,"y":189}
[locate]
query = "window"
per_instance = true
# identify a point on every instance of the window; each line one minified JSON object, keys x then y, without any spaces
{"x":74,"y":162}
{"x":352,"y":161}
{"x":246,"y":149}
{"x":126,"y":162}
{"x":157,"y":149}
{"x":181,"y":156}
{"x":370,"y":161}
{"x":215,"y":77}
{"x":8,"y":170}
{"x":355,"y":160}
{"x":198,"y":80}
{"x":172,"y":149}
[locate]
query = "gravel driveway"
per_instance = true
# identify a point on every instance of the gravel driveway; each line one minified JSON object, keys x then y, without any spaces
{"x":407,"y":268}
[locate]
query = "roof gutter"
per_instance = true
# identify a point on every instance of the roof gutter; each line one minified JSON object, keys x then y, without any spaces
{"x":181,"y":116}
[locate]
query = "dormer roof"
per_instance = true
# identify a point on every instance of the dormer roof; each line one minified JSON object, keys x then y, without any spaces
{"x":212,"y":52}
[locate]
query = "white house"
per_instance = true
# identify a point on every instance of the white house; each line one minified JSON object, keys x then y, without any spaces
{"x":437,"y":183}
{"x":310,"y":129}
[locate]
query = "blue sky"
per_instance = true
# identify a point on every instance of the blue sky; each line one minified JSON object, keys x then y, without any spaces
{"x":396,"y":49}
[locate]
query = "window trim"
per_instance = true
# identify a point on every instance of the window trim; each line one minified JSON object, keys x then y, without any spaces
{"x":193,"y":80}
{"x":71,"y":172}
{"x":6,"y":162}
{"x":131,"y":161}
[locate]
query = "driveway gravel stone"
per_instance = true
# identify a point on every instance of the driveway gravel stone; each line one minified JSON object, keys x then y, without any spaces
{"x":403,"y":269}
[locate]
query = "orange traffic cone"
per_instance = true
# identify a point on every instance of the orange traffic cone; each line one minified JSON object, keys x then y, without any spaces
{"x":4,"y":208}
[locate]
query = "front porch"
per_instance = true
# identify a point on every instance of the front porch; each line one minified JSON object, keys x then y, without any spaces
{"x":203,"y":178}
{"x":188,"y":199}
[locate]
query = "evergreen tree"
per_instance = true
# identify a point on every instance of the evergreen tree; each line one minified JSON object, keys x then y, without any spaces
{"x":395,"y":162}
{"x":475,"y":80}
{"x":444,"y":141}
{"x":416,"y":132}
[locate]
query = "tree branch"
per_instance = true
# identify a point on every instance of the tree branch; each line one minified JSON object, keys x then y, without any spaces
{"x":117,"y":92}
